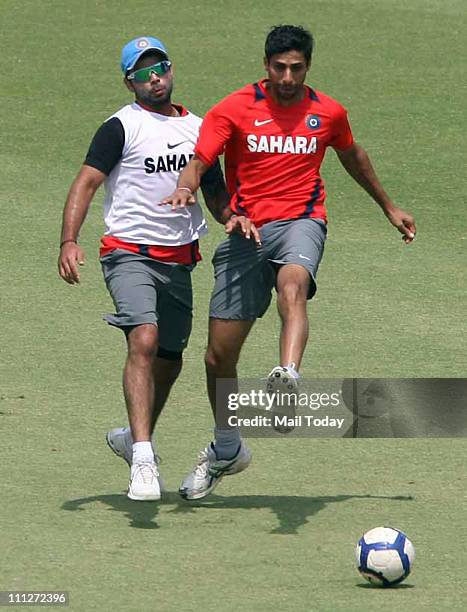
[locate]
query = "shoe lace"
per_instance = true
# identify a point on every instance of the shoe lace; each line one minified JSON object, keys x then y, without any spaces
{"x":147,"y":471}
{"x":202,"y":466}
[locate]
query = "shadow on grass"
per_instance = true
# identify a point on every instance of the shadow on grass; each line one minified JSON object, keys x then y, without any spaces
{"x":374,"y":587}
{"x":292,"y":511}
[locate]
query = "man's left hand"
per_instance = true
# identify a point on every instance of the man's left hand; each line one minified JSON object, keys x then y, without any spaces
{"x":404,"y":222}
{"x":242,"y":225}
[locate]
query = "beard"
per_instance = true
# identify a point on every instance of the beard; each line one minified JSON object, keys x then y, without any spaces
{"x":288,"y":93}
{"x":156,"y":100}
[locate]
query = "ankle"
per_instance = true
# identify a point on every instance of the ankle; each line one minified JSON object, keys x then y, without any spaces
{"x":292,"y":370}
{"x":143,"y":452}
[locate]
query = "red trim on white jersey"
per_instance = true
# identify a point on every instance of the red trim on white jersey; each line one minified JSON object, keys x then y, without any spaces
{"x":186,"y":254}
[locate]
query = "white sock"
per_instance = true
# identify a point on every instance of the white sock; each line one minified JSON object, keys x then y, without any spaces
{"x":142,"y":452}
{"x":292,"y":371}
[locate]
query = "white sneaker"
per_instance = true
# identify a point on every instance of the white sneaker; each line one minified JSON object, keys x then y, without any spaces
{"x":122,"y":445}
{"x":280,"y":380}
{"x":144,"y":482}
{"x":210,"y":470}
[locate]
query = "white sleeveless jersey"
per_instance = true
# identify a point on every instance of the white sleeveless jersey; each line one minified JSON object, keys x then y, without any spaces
{"x":155,"y":150}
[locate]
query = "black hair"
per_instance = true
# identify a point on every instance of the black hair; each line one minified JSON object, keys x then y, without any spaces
{"x":284,"y":38}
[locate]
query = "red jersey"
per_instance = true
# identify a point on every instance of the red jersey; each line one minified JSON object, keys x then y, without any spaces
{"x":273,"y":153}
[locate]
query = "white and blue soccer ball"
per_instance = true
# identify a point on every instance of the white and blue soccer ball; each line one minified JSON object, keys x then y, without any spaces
{"x":384,"y":556}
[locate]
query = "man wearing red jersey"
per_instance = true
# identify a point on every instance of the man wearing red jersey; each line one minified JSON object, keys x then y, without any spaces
{"x":274,"y":135}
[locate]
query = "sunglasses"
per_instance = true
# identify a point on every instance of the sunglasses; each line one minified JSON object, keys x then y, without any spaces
{"x":143,"y":75}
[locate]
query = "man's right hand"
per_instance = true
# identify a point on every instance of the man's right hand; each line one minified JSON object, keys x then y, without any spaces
{"x":71,"y":256}
{"x":180,"y":198}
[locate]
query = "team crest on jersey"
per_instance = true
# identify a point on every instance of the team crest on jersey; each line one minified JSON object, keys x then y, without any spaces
{"x":142,"y":43}
{"x":313,"y":122}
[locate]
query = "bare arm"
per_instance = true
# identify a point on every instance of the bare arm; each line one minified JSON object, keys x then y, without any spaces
{"x":357,"y":163}
{"x":188,"y":182}
{"x":217,"y":200}
{"x":216,"y":196}
{"x":77,"y":204}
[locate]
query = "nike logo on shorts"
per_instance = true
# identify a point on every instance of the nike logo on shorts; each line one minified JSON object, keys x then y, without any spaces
{"x":303,"y":257}
{"x":169,"y":146}
{"x":258,"y":123}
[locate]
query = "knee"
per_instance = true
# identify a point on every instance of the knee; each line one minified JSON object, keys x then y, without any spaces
{"x":142,"y":342}
{"x":292,"y":294}
{"x":218,"y":358}
{"x":212,"y":358}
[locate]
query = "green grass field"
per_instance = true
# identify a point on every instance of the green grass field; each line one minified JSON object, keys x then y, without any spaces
{"x":280,"y":536}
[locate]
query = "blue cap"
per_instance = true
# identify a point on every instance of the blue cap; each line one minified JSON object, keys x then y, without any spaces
{"x":133,"y":50}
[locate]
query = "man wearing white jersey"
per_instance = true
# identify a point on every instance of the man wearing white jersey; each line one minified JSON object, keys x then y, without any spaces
{"x":147,"y":251}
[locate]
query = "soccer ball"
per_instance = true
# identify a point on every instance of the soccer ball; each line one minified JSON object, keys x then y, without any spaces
{"x":384,"y":556}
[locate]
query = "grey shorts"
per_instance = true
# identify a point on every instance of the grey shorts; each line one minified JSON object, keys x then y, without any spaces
{"x":245,"y":274}
{"x":148,"y":291}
